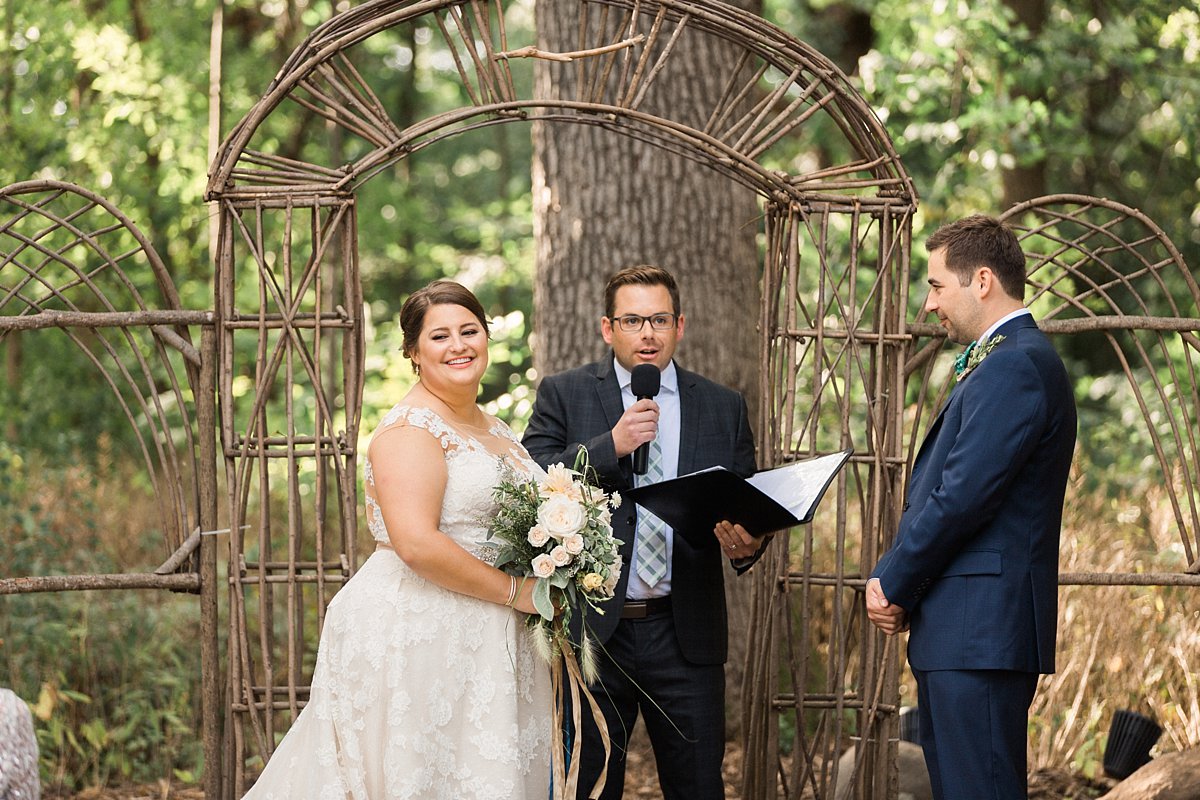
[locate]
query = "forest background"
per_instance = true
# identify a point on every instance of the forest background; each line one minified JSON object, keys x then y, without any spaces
{"x":988,"y":103}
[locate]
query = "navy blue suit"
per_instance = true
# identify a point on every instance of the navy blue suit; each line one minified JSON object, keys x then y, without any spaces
{"x":580,"y":407}
{"x":975,"y":561}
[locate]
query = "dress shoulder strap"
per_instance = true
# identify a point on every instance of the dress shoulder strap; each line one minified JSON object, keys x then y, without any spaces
{"x":424,"y":418}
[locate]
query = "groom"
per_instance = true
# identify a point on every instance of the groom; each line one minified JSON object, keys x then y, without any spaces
{"x":663,"y":635}
{"x":973,"y":570}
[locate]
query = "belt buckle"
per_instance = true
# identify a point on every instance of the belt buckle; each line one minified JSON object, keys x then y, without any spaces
{"x":635,"y":609}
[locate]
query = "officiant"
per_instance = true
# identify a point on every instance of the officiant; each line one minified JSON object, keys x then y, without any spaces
{"x":664,"y":634}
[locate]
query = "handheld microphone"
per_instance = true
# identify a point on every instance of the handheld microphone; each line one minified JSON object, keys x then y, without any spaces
{"x":645,"y":383}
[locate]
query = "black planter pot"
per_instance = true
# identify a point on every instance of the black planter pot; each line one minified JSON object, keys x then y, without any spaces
{"x":1129,"y":741}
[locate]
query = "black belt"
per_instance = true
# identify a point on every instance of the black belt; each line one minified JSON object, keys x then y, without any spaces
{"x":640,"y":609}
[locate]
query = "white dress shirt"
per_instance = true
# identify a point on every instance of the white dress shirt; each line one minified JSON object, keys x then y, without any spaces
{"x":668,"y":439}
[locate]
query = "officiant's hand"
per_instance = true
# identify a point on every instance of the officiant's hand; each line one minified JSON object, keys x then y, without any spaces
{"x":736,"y":542}
{"x":638,"y":425}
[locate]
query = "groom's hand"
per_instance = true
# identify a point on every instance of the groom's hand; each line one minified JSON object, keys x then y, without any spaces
{"x":638,"y":425}
{"x":886,"y":616}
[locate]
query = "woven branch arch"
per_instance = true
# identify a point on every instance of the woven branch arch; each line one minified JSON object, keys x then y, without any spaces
{"x":73,"y":265}
{"x":288,"y":227}
{"x":72,"y":261}
{"x":788,"y":80}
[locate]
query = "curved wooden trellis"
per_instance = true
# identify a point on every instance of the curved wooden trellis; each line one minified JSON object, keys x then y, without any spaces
{"x":286,"y":221}
{"x":1099,"y":268}
{"x":72,"y":264}
{"x":1095,"y":269}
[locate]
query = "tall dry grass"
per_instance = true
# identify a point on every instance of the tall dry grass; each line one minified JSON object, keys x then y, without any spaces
{"x":1119,"y":646}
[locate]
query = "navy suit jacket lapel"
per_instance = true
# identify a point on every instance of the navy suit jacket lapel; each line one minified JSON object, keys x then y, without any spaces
{"x":931,"y":434}
{"x":612,"y":406}
{"x":1006,"y":330}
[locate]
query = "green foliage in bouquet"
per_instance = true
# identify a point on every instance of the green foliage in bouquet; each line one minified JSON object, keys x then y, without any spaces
{"x":557,"y":531}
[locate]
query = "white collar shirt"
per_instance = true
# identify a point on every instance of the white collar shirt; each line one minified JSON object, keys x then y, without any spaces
{"x":668,"y":439}
{"x":996,"y":325}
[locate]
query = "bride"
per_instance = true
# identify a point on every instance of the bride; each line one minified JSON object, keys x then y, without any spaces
{"x":425,"y":683}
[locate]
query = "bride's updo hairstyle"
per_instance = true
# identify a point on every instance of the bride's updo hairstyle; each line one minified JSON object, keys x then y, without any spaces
{"x":440,"y":292}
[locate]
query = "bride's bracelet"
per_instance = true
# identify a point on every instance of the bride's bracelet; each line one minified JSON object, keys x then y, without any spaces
{"x":512,"y":591}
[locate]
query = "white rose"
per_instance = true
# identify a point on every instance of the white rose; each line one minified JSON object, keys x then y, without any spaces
{"x":559,"y":556}
{"x":561,"y":516}
{"x":543,"y":566}
{"x":574,"y":543}
{"x":538,"y":536}
{"x":614,"y":575}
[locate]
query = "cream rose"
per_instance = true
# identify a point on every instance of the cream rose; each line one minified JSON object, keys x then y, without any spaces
{"x":538,"y":536}
{"x":543,"y":566}
{"x":574,"y":543}
{"x":614,"y":575}
{"x":560,"y":556}
{"x":561,"y":516}
{"x":592,"y":581}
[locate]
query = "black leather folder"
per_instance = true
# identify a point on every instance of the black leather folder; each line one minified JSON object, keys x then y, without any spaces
{"x":767,"y":501}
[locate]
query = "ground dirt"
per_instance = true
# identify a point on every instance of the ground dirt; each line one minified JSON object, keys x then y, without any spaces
{"x":641,"y":782}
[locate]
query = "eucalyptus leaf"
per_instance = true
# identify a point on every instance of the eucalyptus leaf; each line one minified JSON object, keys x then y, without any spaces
{"x":541,"y":599}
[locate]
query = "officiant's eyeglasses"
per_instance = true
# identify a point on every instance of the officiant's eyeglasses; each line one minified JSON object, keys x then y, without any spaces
{"x":632,"y":323}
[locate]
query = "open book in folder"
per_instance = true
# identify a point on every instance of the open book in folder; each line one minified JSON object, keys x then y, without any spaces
{"x":768,"y":501}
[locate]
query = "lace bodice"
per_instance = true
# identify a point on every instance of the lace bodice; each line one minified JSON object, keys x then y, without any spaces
{"x":473,"y":470}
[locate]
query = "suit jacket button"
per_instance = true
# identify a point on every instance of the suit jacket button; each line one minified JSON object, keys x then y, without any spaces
{"x":905,"y":508}
{"x":630,"y":519}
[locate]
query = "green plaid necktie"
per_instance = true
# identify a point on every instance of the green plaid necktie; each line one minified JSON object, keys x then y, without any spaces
{"x":651,"y":531}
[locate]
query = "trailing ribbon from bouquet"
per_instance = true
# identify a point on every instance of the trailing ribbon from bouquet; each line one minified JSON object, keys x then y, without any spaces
{"x":558,"y":531}
{"x":566,"y":778}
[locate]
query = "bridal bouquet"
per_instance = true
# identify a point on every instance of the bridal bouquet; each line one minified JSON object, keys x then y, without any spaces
{"x":557,"y":531}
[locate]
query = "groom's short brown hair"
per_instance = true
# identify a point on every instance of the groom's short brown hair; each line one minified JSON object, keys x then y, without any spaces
{"x":982,"y":241}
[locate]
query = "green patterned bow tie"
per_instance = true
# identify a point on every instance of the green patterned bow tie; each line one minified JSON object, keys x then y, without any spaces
{"x":972,"y":355}
{"x":960,"y":363}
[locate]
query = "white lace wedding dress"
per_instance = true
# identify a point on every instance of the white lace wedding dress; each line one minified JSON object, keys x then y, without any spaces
{"x":421,"y":692}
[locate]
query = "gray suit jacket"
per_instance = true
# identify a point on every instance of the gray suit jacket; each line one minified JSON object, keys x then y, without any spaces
{"x":579,"y":408}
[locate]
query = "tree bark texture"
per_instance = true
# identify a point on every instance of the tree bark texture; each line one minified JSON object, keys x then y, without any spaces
{"x":603,"y":201}
{"x":1026,"y":181}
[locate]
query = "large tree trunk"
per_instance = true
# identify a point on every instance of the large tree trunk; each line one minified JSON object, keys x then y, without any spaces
{"x":605,"y":201}
{"x":1026,"y":181}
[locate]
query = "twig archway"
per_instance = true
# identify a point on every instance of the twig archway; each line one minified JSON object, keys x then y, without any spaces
{"x":288,"y":230}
